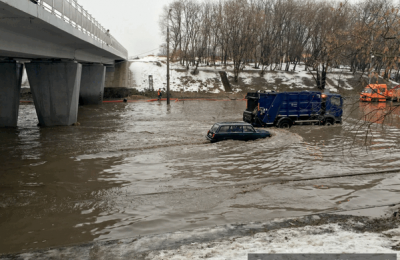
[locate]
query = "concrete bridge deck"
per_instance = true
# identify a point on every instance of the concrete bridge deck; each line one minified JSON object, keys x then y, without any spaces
{"x":40,"y":30}
{"x":61,"y":45}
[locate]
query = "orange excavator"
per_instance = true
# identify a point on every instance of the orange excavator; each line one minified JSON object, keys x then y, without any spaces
{"x":394,"y":93}
{"x":376,"y":93}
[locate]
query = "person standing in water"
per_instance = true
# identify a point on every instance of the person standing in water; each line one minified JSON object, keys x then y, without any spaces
{"x":159,"y":94}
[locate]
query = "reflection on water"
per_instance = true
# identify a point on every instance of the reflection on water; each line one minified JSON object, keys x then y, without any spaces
{"x":387,"y":113}
{"x":66,"y":185}
{"x":371,"y":121}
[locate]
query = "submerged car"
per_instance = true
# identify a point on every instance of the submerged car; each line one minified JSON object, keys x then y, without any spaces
{"x":235,"y":131}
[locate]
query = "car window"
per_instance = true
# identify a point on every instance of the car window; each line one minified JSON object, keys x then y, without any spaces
{"x":214,"y":128}
{"x":224,"y":129}
{"x":248,"y":129}
{"x":236,"y":129}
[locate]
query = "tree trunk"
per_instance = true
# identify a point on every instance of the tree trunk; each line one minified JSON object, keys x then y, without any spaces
{"x":318,"y":79}
{"x":323,"y":76}
{"x":225,"y":81}
{"x":195,"y":69}
{"x":295,"y":64}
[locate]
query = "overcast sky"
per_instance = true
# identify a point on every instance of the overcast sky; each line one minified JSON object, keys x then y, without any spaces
{"x":134,"y":23}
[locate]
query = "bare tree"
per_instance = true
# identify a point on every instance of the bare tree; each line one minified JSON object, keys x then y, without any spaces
{"x":273,"y":33}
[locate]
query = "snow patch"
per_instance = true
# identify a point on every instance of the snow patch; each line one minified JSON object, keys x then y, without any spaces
{"x":207,"y":78}
{"x":179,"y":80}
{"x":330,"y":238}
{"x":291,"y":78}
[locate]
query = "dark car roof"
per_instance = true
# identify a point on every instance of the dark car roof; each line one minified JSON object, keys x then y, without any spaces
{"x":232,"y":123}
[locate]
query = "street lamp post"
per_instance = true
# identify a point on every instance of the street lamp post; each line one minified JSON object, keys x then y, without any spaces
{"x":168,"y":101}
{"x":370,"y":69}
{"x":372,"y":57}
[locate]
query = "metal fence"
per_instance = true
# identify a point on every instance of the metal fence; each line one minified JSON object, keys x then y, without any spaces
{"x":74,"y":14}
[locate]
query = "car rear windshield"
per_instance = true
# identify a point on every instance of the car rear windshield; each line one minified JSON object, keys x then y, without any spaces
{"x":214,"y":128}
{"x":224,"y":129}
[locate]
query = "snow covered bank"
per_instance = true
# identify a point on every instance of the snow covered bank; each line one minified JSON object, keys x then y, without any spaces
{"x":309,"y":234}
{"x":180,"y":80}
{"x":208,"y":79}
{"x":25,"y":82}
{"x":330,"y":238}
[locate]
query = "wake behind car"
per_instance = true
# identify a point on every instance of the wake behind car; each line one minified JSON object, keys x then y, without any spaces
{"x":235,"y":131}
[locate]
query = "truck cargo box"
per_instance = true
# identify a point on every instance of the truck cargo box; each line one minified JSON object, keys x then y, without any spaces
{"x":288,"y":108}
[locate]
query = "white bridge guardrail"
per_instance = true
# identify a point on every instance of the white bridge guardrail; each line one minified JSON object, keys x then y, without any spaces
{"x":74,"y":14}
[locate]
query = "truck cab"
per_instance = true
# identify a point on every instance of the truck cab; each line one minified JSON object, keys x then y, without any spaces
{"x":375,"y":93}
{"x":288,"y":108}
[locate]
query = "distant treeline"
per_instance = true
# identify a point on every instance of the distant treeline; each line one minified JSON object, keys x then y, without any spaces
{"x":269,"y":33}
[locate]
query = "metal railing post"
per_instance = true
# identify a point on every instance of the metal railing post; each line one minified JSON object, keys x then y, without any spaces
{"x":91,"y":25}
{"x":82,"y":18}
{"x":94,"y":30}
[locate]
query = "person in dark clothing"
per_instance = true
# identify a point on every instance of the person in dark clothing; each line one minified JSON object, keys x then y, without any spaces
{"x":159,"y":94}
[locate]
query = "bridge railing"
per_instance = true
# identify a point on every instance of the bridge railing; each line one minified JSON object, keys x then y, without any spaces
{"x":74,"y":14}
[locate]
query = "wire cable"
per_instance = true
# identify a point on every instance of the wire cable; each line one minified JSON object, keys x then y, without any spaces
{"x":136,"y":55}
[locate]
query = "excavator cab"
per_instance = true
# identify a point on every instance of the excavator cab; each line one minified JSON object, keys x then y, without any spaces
{"x":374,"y":93}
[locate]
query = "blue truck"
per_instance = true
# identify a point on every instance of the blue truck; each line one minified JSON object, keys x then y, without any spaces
{"x":288,"y":108}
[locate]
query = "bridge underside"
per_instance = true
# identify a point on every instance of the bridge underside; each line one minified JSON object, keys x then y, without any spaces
{"x":30,"y":32}
{"x":65,"y":66}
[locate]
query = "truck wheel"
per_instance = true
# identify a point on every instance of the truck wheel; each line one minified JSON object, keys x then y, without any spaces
{"x":284,"y":124}
{"x":329,"y":122}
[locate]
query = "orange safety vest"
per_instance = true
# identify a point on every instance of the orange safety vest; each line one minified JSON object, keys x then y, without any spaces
{"x":159,"y":93}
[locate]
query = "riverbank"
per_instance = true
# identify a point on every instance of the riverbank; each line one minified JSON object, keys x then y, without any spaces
{"x":133,"y":94}
{"x":207,"y":80}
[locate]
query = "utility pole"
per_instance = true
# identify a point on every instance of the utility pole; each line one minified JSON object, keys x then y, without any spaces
{"x":370,"y":69}
{"x":168,"y":101}
{"x":370,"y":64}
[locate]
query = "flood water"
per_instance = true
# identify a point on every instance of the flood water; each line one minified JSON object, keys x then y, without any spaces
{"x":139,"y":168}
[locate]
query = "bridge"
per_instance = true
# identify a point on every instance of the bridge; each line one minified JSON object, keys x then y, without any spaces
{"x":65,"y":52}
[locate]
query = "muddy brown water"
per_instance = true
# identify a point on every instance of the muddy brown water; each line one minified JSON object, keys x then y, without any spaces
{"x":133,"y":169}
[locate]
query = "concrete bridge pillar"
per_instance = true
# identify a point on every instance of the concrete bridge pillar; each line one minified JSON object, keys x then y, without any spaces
{"x":92,"y":84}
{"x":10,"y":86}
{"x":117,"y":76}
{"x":121,"y":74}
{"x":55,"y":88}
